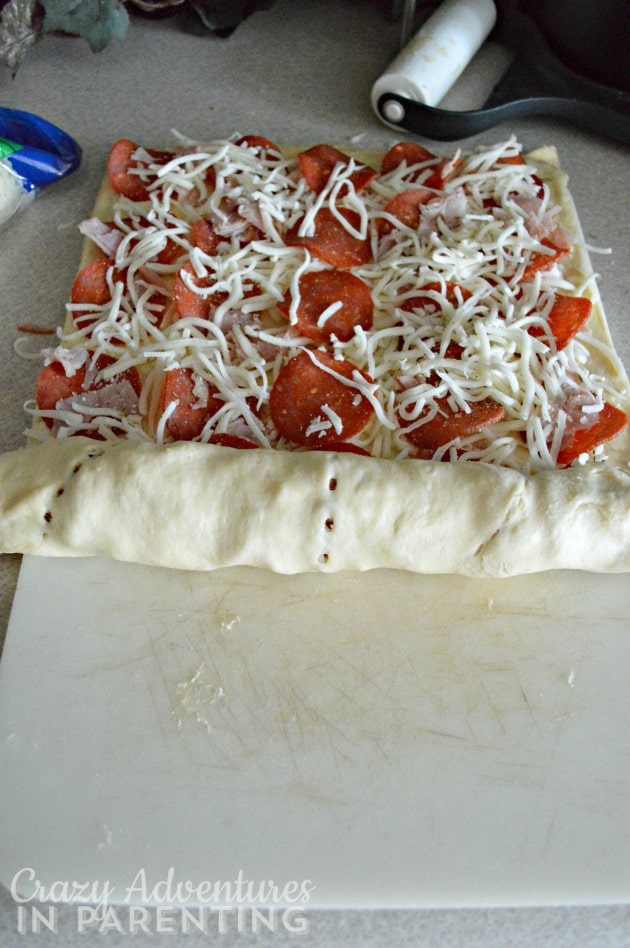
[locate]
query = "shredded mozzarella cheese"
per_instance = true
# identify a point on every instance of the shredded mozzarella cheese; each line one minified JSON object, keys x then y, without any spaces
{"x":465,"y":262}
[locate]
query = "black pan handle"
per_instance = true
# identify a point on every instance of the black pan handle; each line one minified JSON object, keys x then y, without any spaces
{"x":536,"y":83}
{"x":448,"y":125}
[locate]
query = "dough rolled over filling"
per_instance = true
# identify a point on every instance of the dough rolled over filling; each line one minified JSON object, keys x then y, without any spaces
{"x":201,"y":507}
{"x":173,"y":364}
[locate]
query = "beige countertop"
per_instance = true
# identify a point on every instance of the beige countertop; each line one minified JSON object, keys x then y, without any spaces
{"x":295,"y":73}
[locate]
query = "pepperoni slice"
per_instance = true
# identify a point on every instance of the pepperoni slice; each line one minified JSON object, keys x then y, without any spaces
{"x":122,"y":169}
{"x":190,"y":304}
{"x":454,"y":293}
{"x":444,"y":171}
{"x":318,"y":163}
{"x":453,"y":350}
{"x":363,"y":176}
{"x":511,"y":160}
{"x":405,"y":207}
{"x":414,"y":154}
{"x":90,"y":284}
{"x":90,"y":287}
{"x":203,"y":236}
{"x":258,"y":143}
{"x":130,"y":375}
{"x":331,"y":241}
{"x":169,"y":253}
{"x":232,"y":441}
{"x":304,"y":389}
{"x":449,"y":424}
{"x":581,"y":439}
{"x":566,"y":317}
{"x":542,"y":261}
{"x":519,"y":160}
{"x":320,"y":289}
{"x":53,"y":384}
{"x":188,"y":418}
{"x":187,"y":302}
{"x":410,"y":152}
{"x":118,"y":166}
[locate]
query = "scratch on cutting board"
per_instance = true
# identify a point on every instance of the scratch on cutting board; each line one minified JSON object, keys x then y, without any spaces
{"x":288,"y":743}
{"x":533,"y":829}
{"x":361,"y":674}
{"x":292,"y":707}
{"x":325,"y":691}
{"x":499,"y":712}
{"x":334,"y":734}
{"x":526,"y":702}
{"x":253,"y":688}
{"x":338,"y":743}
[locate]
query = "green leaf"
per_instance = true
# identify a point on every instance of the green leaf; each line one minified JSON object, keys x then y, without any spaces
{"x":20,"y":23}
{"x":97,"y":21}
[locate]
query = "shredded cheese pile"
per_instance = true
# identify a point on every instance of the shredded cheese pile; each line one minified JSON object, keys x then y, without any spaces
{"x":478,"y":232}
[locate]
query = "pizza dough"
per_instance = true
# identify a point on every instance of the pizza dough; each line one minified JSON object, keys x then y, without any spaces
{"x":200,"y":507}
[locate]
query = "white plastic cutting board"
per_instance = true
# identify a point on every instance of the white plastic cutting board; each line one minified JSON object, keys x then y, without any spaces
{"x":398,"y":740}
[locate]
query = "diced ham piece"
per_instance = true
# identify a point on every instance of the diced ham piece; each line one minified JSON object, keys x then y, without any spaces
{"x":116,"y":396}
{"x":106,"y":237}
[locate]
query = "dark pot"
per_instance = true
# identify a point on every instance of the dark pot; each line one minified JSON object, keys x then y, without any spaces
{"x":589,"y":36}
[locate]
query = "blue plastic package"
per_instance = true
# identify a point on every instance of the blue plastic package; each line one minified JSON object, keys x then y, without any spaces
{"x":33,"y":154}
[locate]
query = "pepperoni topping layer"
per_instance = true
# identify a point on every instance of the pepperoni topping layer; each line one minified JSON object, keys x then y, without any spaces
{"x":248,"y":299}
{"x":189,"y":293}
{"x":584,"y":434}
{"x":336,"y":238}
{"x":316,"y":400}
{"x":408,"y":153}
{"x":129,"y":172}
{"x":331,"y":304}
{"x":405,"y":207}
{"x":319,"y":162}
{"x":188,"y":403}
{"x":566,"y":317}
{"x":447,"y":424}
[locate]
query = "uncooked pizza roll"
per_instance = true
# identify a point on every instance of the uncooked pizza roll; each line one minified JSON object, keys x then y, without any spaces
{"x":250,"y":326}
